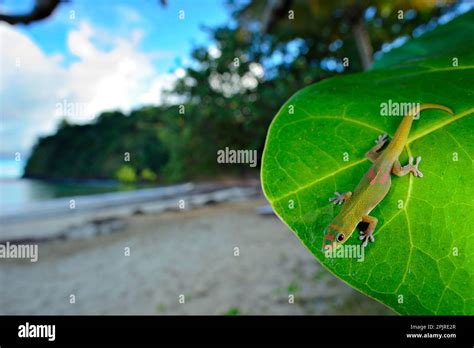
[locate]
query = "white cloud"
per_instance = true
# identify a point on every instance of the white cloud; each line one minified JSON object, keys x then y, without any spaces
{"x":79,"y":41}
{"x":122,"y":77}
{"x":128,"y":14}
{"x":28,"y":90}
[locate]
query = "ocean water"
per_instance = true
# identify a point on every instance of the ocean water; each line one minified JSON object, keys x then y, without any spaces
{"x":10,"y":169}
{"x":15,"y":191}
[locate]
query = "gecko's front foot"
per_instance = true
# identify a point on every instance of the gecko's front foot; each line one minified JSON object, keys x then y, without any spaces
{"x":365,"y":236}
{"x":340,"y":198}
{"x":381,"y":139}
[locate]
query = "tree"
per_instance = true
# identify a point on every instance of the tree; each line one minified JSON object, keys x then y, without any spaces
{"x":367,"y":23}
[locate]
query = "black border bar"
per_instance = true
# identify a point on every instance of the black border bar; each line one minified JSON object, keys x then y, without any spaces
{"x":242,"y":330}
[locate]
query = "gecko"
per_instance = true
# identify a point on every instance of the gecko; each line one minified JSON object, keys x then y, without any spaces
{"x":374,"y":185}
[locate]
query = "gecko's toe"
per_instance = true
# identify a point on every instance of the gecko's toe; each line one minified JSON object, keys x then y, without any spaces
{"x":366,"y":237}
{"x":339,"y":199}
{"x":381,"y":138}
{"x":366,"y":241}
{"x":416,"y":172}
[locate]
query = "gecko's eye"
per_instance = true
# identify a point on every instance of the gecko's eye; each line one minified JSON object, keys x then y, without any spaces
{"x":340,"y":237}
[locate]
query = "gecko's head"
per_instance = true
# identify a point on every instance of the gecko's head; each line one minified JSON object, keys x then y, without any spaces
{"x":334,"y":235}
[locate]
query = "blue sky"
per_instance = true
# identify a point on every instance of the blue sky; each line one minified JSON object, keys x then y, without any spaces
{"x":161,"y":27}
{"x":91,"y":56}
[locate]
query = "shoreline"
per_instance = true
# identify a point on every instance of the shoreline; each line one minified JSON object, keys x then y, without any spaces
{"x":84,"y":216}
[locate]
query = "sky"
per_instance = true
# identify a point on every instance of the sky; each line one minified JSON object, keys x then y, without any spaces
{"x":91,"y":56}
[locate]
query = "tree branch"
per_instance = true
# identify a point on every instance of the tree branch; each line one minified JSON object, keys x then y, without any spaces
{"x":364,"y":46}
{"x":41,"y":10}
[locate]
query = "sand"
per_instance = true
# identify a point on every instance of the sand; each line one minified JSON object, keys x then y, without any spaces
{"x":190,"y":253}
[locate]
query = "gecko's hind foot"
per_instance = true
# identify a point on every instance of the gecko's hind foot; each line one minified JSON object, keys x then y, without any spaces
{"x":381,"y":139}
{"x":365,"y":237}
{"x":340,"y":197}
{"x":414,"y":167}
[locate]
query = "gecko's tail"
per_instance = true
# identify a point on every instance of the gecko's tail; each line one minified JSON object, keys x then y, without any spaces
{"x":401,"y":135}
{"x":425,"y":106}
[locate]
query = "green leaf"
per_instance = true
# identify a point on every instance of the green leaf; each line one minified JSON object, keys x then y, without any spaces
{"x":422,"y":261}
{"x":452,"y":40}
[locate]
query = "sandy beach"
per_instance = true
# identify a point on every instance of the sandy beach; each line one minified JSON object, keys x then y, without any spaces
{"x":182,"y":252}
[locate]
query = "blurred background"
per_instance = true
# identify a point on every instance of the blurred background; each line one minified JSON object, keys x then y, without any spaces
{"x":112,"y":115}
